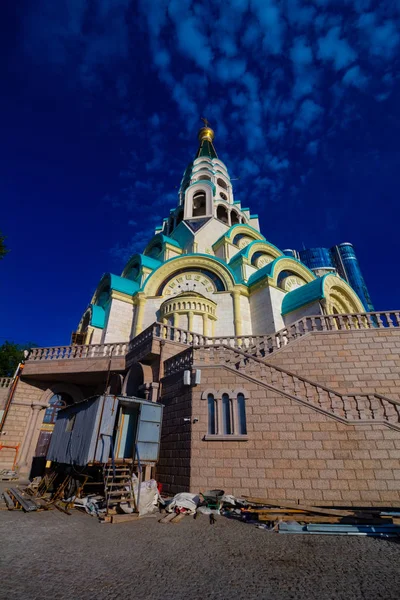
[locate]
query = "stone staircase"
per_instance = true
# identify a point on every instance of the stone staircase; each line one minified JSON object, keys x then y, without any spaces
{"x":348,"y":408}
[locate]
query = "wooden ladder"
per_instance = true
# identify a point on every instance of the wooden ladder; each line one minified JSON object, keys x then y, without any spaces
{"x":118,"y":487}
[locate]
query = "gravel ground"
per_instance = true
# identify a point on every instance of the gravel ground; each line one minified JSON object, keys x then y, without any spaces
{"x":52,"y":555}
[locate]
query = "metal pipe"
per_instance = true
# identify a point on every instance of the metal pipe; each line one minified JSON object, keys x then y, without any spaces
{"x":17,"y":376}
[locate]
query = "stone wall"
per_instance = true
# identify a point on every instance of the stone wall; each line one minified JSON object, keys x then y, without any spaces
{"x":293,"y":451}
{"x":18,"y":418}
{"x":359,"y":361}
{"x":119,"y":322}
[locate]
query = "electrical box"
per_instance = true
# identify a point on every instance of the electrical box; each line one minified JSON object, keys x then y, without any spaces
{"x":186,"y":377}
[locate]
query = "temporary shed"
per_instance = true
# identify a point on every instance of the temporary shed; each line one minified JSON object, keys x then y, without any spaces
{"x":104,"y":428}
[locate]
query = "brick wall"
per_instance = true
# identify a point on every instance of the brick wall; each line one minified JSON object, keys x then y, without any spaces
{"x":293,"y":452}
{"x":17,"y":418}
{"x":364,"y":361}
{"x":173,"y":469}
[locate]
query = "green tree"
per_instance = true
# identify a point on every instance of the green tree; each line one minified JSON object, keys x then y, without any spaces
{"x":3,"y":249}
{"x":11,"y":354}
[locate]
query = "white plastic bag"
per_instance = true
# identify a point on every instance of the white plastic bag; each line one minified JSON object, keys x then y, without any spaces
{"x":184,"y":500}
{"x":149,"y":496}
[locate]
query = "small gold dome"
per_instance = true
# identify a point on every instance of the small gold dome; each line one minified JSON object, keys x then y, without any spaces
{"x":206,"y":133}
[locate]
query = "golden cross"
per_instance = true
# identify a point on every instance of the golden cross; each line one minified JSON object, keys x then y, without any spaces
{"x":206,"y":122}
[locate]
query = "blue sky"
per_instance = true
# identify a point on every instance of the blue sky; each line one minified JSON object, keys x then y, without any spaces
{"x":100,"y":106}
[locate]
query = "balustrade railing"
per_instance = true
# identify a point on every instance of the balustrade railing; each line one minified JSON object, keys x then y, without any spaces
{"x":258,"y":345}
{"x":76,"y":352}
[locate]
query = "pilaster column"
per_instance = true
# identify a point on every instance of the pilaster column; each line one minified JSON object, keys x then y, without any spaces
{"x":205,"y":324}
{"x":32,"y":427}
{"x":237,"y":319}
{"x":140,"y":303}
{"x":190,"y":320}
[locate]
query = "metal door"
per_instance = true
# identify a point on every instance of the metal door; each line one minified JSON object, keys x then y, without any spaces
{"x":149,"y":432}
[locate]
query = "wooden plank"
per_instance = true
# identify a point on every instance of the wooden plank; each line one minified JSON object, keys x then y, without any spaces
{"x":167,"y":518}
{"x":9,"y":501}
{"x":283,"y":511}
{"x":321,"y":519}
{"x":305,"y":507}
{"x":178,"y":518}
{"x":123,"y":518}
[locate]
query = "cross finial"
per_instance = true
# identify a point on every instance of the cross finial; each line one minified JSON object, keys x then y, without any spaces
{"x":205,"y":121}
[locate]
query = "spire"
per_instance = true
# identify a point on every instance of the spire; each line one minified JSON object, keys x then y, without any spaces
{"x":206,"y":136}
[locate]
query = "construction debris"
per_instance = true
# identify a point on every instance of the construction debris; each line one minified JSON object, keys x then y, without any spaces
{"x":287,"y":517}
{"x":8,"y":475}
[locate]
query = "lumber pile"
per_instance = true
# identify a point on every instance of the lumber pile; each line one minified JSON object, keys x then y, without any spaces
{"x":288,"y":517}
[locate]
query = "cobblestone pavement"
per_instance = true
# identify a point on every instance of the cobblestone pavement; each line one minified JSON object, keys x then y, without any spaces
{"x":52,"y":555}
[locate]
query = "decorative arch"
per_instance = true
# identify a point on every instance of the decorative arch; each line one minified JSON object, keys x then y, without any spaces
{"x":285,"y":263}
{"x":208,"y":391}
{"x":255,"y":248}
{"x":138,"y":375}
{"x":340,"y":296}
{"x":244,"y":229}
{"x":173,"y":265}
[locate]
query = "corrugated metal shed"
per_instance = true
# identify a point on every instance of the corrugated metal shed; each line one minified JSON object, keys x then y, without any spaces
{"x":92,"y":430}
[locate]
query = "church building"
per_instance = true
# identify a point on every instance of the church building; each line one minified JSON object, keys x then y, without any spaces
{"x":210,"y":270}
{"x":274,"y":379}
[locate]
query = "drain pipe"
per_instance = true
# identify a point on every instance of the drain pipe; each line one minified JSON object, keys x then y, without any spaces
{"x":17,"y":376}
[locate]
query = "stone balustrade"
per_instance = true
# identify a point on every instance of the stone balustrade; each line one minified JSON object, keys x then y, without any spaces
{"x":77,"y":352}
{"x":258,"y":345}
{"x":180,"y":362}
{"x":5,"y":382}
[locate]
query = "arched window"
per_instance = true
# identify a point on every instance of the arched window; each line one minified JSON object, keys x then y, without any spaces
{"x":56,"y":402}
{"x":234,"y":217}
{"x":199,"y":204}
{"x":223,"y":196}
{"x":212,"y":415}
{"x":222,"y":214}
{"x":204,"y":177}
{"x":222,"y":183}
{"x":226,"y":415}
{"x":242,"y":427}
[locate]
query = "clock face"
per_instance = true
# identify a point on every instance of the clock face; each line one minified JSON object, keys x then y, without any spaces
{"x":291,"y":283}
{"x":189,"y":282}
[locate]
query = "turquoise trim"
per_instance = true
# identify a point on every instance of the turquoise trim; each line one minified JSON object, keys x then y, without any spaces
{"x":268,"y":270}
{"x":227,"y":234}
{"x":210,"y":183}
{"x":120,"y":284}
{"x":253,"y":216}
{"x":243,"y":209}
{"x":98,"y":316}
{"x":246,"y":251}
{"x":237,"y":202}
{"x":178,"y":258}
{"x":310,"y":292}
{"x":164,"y":240}
{"x":143,"y":261}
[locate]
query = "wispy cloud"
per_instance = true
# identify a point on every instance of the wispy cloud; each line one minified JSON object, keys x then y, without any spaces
{"x":275,"y":78}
